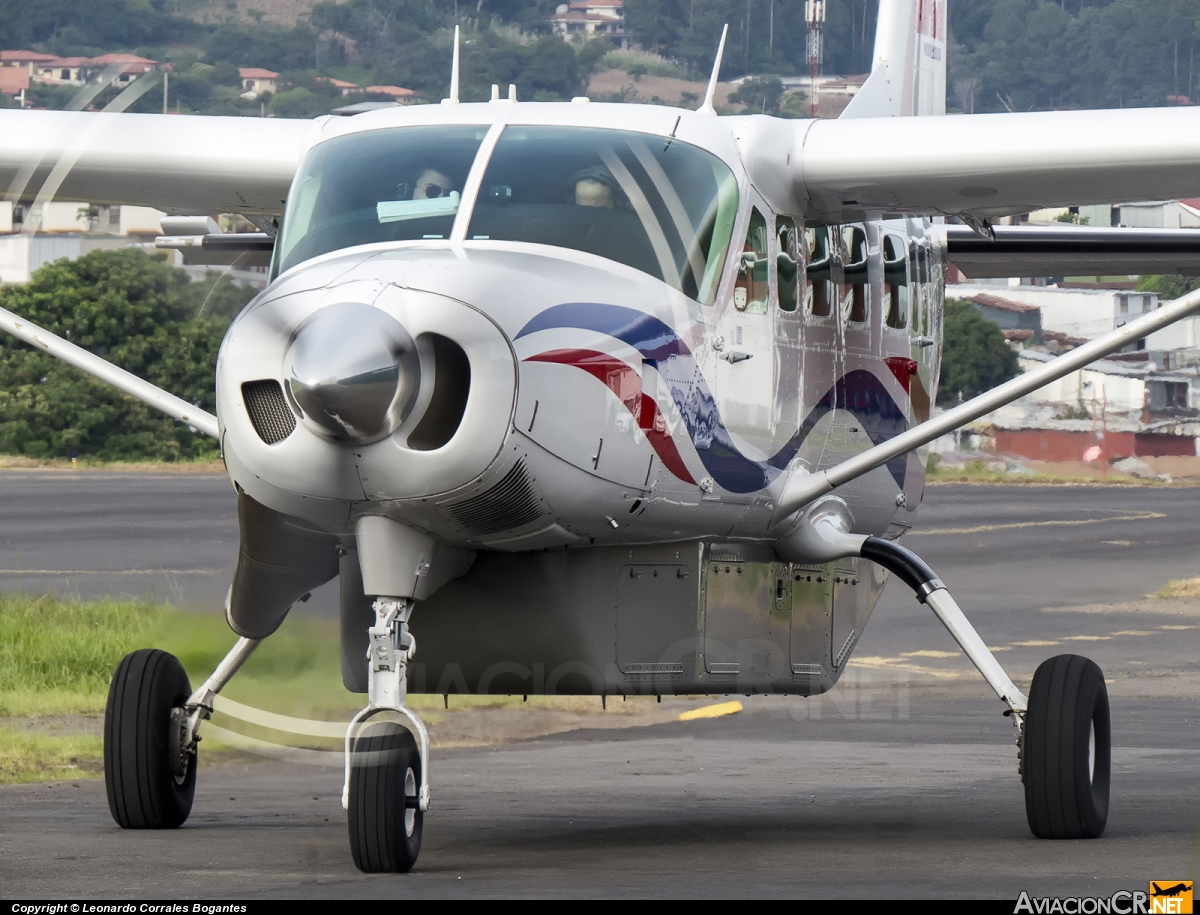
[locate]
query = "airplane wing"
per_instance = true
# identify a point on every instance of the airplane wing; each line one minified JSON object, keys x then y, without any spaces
{"x":988,"y":165}
{"x":1071,"y":251}
{"x":177,"y":163}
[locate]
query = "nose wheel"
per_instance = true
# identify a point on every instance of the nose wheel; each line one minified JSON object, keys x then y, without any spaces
{"x":386,"y":792}
{"x":1066,"y":750}
{"x":385,"y":815}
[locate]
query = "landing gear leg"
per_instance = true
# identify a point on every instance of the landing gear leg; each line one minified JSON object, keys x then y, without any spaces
{"x":1064,"y":735}
{"x":386,"y":791}
{"x":151,"y":732}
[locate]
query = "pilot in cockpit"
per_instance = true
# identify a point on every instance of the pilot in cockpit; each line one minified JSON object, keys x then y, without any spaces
{"x":431,"y":184}
{"x":596,"y":187}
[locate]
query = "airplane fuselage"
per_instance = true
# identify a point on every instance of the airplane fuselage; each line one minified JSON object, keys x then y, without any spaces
{"x":656,"y":401}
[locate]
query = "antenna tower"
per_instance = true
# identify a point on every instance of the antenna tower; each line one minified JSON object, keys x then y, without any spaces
{"x":814,"y":15}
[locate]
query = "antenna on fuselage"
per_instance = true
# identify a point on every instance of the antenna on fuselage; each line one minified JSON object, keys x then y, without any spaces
{"x":453,"y":100}
{"x":707,"y":107}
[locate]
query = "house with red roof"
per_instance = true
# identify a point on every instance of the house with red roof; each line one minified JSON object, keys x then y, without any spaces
{"x":345,"y":88}
{"x":256,"y":81}
{"x":134,"y":66}
{"x":398,"y":93}
{"x":63,"y":71}
{"x":24,"y":60}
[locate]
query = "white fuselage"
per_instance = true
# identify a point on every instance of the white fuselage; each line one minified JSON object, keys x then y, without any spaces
{"x":607,"y":406}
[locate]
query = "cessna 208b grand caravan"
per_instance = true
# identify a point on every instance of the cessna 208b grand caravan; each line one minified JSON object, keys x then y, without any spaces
{"x":601,"y":399}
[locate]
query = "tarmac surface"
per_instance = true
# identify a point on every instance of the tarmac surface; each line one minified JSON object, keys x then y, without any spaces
{"x":900,"y":782}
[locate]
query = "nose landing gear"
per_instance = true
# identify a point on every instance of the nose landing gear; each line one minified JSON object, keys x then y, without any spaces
{"x":386,"y":792}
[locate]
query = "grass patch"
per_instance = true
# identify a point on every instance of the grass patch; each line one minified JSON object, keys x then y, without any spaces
{"x":34,"y":756}
{"x":638,"y":65}
{"x":185,"y":465}
{"x":1187,"y":587}
{"x":57,"y":656}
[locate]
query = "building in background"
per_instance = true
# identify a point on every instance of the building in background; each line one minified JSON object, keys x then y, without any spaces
{"x":398,"y":94}
{"x":256,"y":81}
{"x":594,"y":19}
{"x":33,"y":234}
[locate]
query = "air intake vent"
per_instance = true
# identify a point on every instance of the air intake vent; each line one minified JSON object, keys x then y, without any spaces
{"x":269,"y":412}
{"x":509,"y":504}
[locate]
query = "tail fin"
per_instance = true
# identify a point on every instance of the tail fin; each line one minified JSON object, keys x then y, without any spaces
{"x":908,"y":71}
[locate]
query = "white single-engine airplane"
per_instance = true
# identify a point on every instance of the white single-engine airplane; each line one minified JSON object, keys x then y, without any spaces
{"x":601,"y":399}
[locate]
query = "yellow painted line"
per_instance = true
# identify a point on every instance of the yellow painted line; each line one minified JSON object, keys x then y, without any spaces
{"x":930,"y":653}
{"x":984,"y":528}
{"x":712,"y":711}
{"x":1176,"y":628}
{"x":1135,"y":632}
{"x":1035,"y":643}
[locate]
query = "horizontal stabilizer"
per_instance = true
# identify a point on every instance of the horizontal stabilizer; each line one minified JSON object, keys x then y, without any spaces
{"x":1072,"y":251}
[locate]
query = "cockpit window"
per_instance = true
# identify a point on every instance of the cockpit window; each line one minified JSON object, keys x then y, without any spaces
{"x":661,"y":206}
{"x":380,"y":185}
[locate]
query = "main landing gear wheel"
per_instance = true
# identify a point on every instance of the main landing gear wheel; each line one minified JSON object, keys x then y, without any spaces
{"x":385,"y":816}
{"x":1066,"y":752}
{"x":147,"y":789}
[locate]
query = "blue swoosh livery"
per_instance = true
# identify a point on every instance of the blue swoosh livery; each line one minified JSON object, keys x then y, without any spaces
{"x":858,"y":391}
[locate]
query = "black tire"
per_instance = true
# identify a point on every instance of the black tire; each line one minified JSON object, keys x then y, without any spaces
{"x":1067,"y":750}
{"x":143,"y":791}
{"x":385,"y":778}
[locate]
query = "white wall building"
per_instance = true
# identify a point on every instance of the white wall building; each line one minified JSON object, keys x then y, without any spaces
{"x":1085,"y":313}
{"x":35,"y":234}
{"x":592,"y":19}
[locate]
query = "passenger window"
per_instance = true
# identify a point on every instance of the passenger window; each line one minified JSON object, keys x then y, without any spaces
{"x":854,"y":290}
{"x":895,"y":282}
{"x":818,"y":294}
{"x":787,"y":264}
{"x":750,"y":290}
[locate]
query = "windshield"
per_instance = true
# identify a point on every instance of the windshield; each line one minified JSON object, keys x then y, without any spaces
{"x":381,"y":185}
{"x":661,"y":206}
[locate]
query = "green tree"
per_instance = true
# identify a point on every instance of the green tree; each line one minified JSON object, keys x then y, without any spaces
{"x":760,"y":94}
{"x":138,"y":313}
{"x":1168,"y":286}
{"x":975,"y":355}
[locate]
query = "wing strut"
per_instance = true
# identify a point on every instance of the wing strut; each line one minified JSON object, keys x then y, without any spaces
{"x":104,"y":370}
{"x":802,"y":488}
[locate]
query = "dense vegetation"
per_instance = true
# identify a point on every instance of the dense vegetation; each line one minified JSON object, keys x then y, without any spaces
{"x":975,"y":355}
{"x":138,"y":313}
{"x":1017,"y":54}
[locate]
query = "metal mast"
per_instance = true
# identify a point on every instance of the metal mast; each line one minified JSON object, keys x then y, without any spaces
{"x":814,"y":15}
